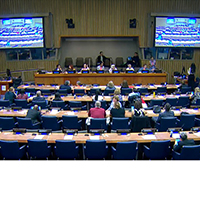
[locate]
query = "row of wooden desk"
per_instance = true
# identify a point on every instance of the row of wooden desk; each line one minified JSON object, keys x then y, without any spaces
{"x":84,"y":113}
{"x":103,"y":79}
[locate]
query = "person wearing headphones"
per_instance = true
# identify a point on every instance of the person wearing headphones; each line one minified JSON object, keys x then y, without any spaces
{"x":183,"y":142}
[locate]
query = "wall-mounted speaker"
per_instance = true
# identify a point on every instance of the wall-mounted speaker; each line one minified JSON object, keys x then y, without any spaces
{"x":132,"y":23}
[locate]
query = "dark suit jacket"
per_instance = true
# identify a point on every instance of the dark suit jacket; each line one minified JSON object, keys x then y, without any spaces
{"x":66,"y":87}
{"x":34,"y":115}
{"x":138,"y":123}
{"x":10,"y":96}
{"x":183,"y":143}
{"x":99,"y":59}
{"x":117,"y":112}
{"x":38,"y":99}
{"x":165,"y":114}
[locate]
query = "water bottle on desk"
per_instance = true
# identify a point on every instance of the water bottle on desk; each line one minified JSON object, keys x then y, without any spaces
{"x":74,"y":96}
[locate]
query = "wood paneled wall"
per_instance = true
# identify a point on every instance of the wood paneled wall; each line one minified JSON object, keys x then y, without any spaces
{"x":98,"y":18}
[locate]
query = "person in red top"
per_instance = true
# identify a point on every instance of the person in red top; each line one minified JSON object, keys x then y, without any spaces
{"x":22,"y":95}
{"x":97,"y":112}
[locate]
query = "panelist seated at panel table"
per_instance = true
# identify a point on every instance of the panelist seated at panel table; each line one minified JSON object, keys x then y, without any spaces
{"x":101,"y":66}
{"x":112,"y":68}
{"x":58,"y":68}
{"x":144,"y":68}
{"x":85,"y":68}
{"x":71,"y":69}
{"x":129,"y":68}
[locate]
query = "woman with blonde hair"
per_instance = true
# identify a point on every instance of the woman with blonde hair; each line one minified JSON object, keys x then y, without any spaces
{"x":117,"y":111}
{"x":196,"y":95}
{"x":110,"y":86}
{"x":117,"y":92}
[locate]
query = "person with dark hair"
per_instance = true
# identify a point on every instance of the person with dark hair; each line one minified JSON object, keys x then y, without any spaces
{"x":144,"y":67}
{"x":22,"y":94}
{"x":101,"y":58}
{"x":138,"y":111}
{"x":124,"y":84}
{"x":136,"y":60}
{"x":85,"y":68}
{"x":117,"y":111}
{"x":166,"y":113}
{"x":184,"y":142}
{"x":191,"y":77}
{"x":192,"y":69}
{"x":8,"y":73}
{"x":34,"y":114}
{"x":10,"y":95}
{"x":57,"y":97}
{"x":115,"y":99}
{"x":97,"y":96}
{"x":58,"y":68}
{"x":100,"y":66}
{"x":152,"y":64}
{"x":66,"y":86}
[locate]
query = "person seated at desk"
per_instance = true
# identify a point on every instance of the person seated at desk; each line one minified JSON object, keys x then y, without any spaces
{"x":124,"y":84}
{"x":58,"y":68}
{"x":143,"y":68}
{"x":38,"y":96}
{"x":117,"y":92}
{"x":71,"y":68}
{"x":112,"y":68}
{"x":166,"y":113}
{"x":100,"y":67}
{"x":184,"y":142}
{"x":67,"y":87}
{"x":10,"y":95}
{"x":115,"y":99}
{"x":85,"y":68}
{"x":138,"y":111}
{"x":196,"y":95}
{"x":97,"y":112}
{"x":152,"y":64}
{"x":57,"y":97}
{"x":97,"y":96}
{"x":34,"y":114}
{"x":110,"y":86}
{"x":130,"y":67}
{"x":136,"y":60}
{"x":22,"y":94}
{"x":117,"y":111}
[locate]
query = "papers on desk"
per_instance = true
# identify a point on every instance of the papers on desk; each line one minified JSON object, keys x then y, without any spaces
{"x":22,"y":111}
{"x":197,"y":134}
{"x":68,"y":137}
{"x":69,"y":113}
{"x":39,"y":137}
{"x":176,"y":135}
{"x":94,"y":137}
{"x":54,"y":111}
{"x":149,"y":137}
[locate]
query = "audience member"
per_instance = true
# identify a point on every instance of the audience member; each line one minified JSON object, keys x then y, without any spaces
{"x":66,"y":86}
{"x":100,"y":66}
{"x":115,"y":99}
{"x":136,"y":60}
{"x":117,"y":111}
{"x":22,"y":95}
{"x":166,"y":113}
{"x":112,"y":68}
{"x":138,"y":111}
{"x":117,"y":92}
{"x":183,"y":142}
{"x":57,"y":97}
{"x":196,"y":95}
{"x":124,"y":84}
{"x":34,"y":114}
{"x":110,"y":86}
{"x":97,"y":112}
{"x":39,"y":96}
{"x":10,"y":95}
{"x":97,"y":96}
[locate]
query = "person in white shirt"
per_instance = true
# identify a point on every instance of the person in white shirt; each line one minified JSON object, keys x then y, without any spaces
{"x":129,"y":67}
{"x":85,"y":67}
{"x":112,"y":68}
{"x":100,"y":67}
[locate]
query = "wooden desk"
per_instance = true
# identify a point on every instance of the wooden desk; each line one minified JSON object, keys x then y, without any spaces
{"x":4,"y":86}
{"x":101,"y":79}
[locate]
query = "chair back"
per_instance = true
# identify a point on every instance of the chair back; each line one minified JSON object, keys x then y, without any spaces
{"x":95,"y":149}
{"x":26,"y":123}
{"x":119,"y":61}
{"x":70,"y":122}
{"x":42,"y":104}
{"x":98,"y":123}
{"x":120,"y":123}
{"x":126,"y":150}
{"x":167,"y":122}
{"x":66,"y":149}
{"x":46,"y":92}
{"x":126,"y":91}
{"x":79,"y":62}
{"x":93,"y":91}
{"x":159,"y":149}
{"x":88,"y":61}
{"x":80,"y":92}
{"x":187,"y":121}
{"x":183,"y":101}
{"x":50,"y":122}
{"x":38,"y":149}
{"x":185,"y":89}
{"x":143,"y":91}
{"x":161,"y":90}
{"x":171,"y":101}
{"x":73,"y":105}
{"x":63,"y":92}
{"x":58,"y":104}
{"x":68,"y":61}
{"x":4,"y":103}
{"x":190,"y":153}
{"x":108,"y":92}
{"x":7,"y":123}
{"x":21,"y":103}
{"x":138,"y":123}
{"x":158,"y":102}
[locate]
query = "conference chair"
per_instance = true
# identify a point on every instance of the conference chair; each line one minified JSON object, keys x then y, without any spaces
{"x":108,"y":92}
{"x":154,"y":102}
{"x":76,"y":105}
{"x":120,"y":123}
{"x":197,"y":102}
{"x":79,"y":92}
{"x":46,"y":92}
{"x":38,"y":149}
{"x":187,"y":153}
{"x":165,"y":123}
{"x":66,"y":149}
{"x":68,"y":61}
{"x":63,"y":92}
{"x":187,"y":121}
{"x":79,"y":62}
{"x":22,"y":103}
{"x":158,"y":150}
{"x":97,"y":123}
{"x":185,"y":89}
{"x":138,"y":123}
{"x":59,"y":104}
{"x":10,"y":150}
{"x":4,"y":103}
{"x":126,"y":91}
{"x":143,"y":91}
{"x":183,"y":101}
{"x":93,"y":91}
{"x":88,"y":61}
{"x":42,"y":104}
{"x":51,"y":122}
{"x":27,"y":123}
{"x":125,"y":150}
{"x":119,"y":61}
{"x":171,"y":101}
{"x":7,"y":123}
{"x":71,"y":122}
{"x":161,"y":90}
{"x":95,"y":149}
